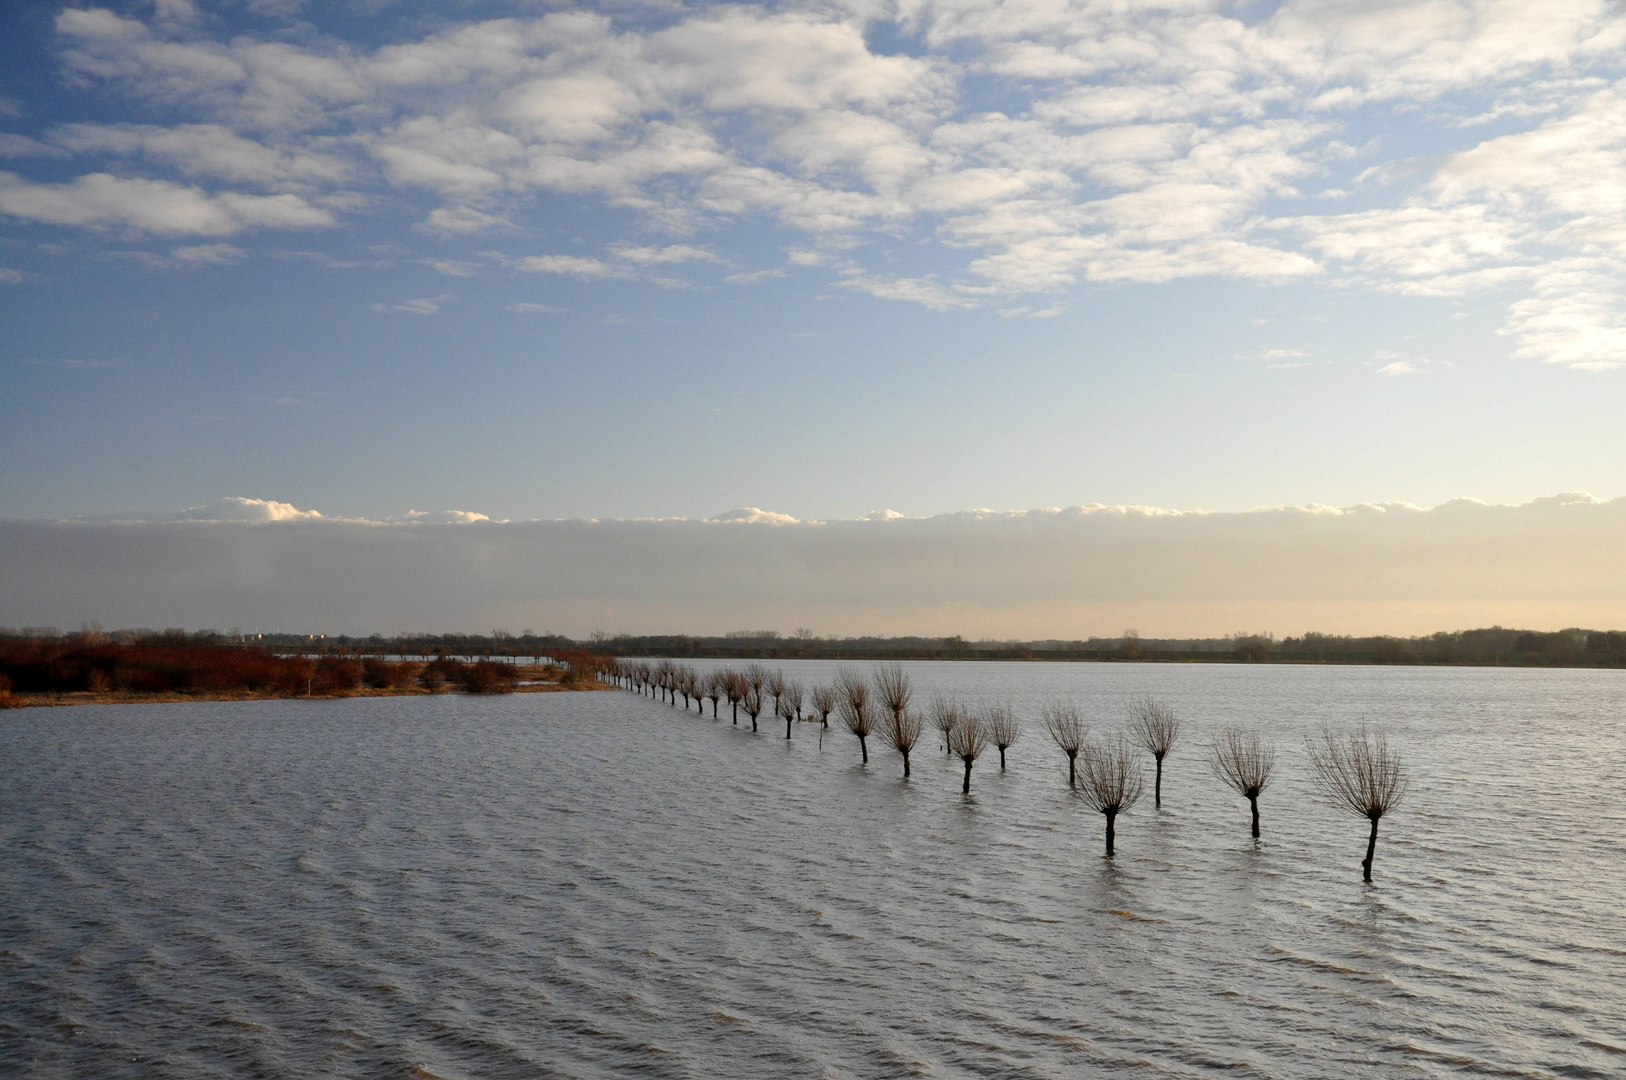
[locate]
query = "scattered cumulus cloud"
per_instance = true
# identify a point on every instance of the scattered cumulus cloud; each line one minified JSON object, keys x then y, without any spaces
{"x":1036,"y":147}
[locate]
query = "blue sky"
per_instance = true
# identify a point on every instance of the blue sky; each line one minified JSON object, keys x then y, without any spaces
{"x":667,"y":260}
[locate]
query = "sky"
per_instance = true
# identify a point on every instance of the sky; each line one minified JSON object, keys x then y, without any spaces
{"x":638,"y":261}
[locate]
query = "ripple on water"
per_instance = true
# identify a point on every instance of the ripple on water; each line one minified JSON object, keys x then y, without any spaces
{"x":599,"y":885}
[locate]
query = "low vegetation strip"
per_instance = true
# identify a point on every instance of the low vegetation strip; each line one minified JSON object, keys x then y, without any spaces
{"x":88,"y":667}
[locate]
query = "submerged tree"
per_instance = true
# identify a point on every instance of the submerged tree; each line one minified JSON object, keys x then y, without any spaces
{"x":855,"y":708}
{"x":901,"y":730}
{"x":823,"y":699}
{"x":1066,"y":727}
{"x":786,"y":713}
{"x":1362,"y":775}
{"x":1243,"y":760}
{"x":734,"y":689}
{"x":753,"y":704}
{"x":946,"y":713}
{"x":794,"y":695}
{"x":715,"y":689}
{"x":1003,"y":729}
{"x":1155,"y":729}
{"x":892,"y":689}
{"x":967,"y":742}
{"x":774,"y":683}
{"x":1110,"y":781}
{"x":756,"y":677}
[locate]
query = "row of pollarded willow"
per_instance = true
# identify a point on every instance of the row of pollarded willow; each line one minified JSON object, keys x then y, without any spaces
{"x":1358,"y":771}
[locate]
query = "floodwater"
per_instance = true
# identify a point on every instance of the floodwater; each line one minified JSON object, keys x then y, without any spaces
{"x":598,"y":885}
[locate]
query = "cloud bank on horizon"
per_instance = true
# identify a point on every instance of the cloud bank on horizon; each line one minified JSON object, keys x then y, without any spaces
{"x":1445,"y":148}
{"x":1064,"y":573}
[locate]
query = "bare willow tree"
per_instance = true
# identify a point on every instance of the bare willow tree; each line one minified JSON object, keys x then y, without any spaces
{"x":786,"y":712}
{"x":734,"y":689}
{"x":1110,"y":781}
{"x":901,"y":731}
{"x":824,"y":702}
{"x":1362,"y":775}
{"x":795,"y":695}
{"x":1243,"y":760}
{"x":855,"y":707}
{"x":892,"y":689}
{"x":967,"y":741}
{"x":946,"y":713}
{"x":753,"y":704}
{"x":1066,"y":727}
{"x":1155,"y":729}
{"x":1003,"y":729}
{"x":774,"y":683}
{"x":756,"y":677}
{"x":715,"y":689}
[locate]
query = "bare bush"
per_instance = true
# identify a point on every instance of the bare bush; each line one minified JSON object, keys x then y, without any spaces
{"x":1110,"y":780}
{"x":892,"y":688}
{"x":901,"y":730}
{"x":774,"y":683}
{"x":1066,"y":727}
{"x":967,"y":741}
{"x":756,"y":677}
{"x":1003,"y":729}
{"x":1362,"y":775}
{"x":855,"y":707}
{"x":1155,"y":729}
{"x":946,"y":713}
{"x":823,"y":699}
{"x":1243,"y":760}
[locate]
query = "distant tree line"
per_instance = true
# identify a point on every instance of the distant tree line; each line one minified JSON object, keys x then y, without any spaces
{"x":1489,"y":646}
{"x":92,"y":662}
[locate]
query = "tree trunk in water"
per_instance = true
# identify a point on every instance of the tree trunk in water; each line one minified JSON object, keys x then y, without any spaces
{"x":1111,"y":818}
{"x":905,"y":754}
{"x":1072,"y":770}
{"x":863,"y":748}
{"x":736,"y":707}
{"x":965,"y":788}
{"x":1253,"y":801}
{"x":1371,"y":847}
{"x":753,"y":723}
{"x":1157,"y":785}
{"x":787,"y":727}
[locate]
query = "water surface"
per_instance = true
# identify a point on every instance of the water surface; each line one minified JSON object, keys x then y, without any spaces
{"x":596,"y":885}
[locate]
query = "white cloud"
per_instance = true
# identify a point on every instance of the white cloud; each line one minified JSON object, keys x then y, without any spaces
{"x":1057,"y":572}
{"x":663,"y":256}
{"x":575,"y":266}
{"x":1040,"y":144}
{"x":537,"y":308}
{"x":216,"y":254}
{"x":10,"y":276}
{"x":100,"y":200}
{"x":423,"y":305}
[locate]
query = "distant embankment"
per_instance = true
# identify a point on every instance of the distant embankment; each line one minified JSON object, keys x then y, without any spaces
{"x":91,"y":668}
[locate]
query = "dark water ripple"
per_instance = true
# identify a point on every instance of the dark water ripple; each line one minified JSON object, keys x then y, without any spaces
{"x":594,"y":885}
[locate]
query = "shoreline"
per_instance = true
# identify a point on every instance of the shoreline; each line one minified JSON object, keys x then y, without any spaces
{"x":91,"y":697}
